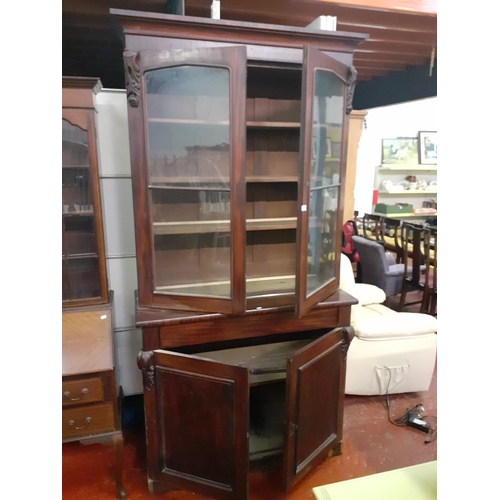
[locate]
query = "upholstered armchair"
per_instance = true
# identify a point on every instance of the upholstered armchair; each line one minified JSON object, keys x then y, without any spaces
{"x":379,"y":267}
{"x":391,"y":352}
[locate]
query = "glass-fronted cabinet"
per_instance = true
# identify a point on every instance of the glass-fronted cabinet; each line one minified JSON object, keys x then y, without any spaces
{"x":238,"y":143}
{"x":238,"y":199}
{"x":83,"y":262}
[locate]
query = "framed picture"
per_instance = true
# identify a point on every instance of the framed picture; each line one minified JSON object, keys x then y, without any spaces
{"x":427,"y":148}
{"x":403,"y":150}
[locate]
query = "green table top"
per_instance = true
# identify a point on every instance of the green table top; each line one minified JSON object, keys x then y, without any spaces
{"x":418,"y":482}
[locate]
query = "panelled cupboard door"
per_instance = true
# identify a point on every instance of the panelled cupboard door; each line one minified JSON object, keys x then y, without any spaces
{"x":201,"y":425}
{"x":314,"y":404}
{"x":187,"y":133}
{"x":325,"y":84}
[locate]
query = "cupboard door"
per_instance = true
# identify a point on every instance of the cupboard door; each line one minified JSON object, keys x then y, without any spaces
{"x":187,"y":127}
{"x":198,"y":437}
{"x":325,"y":84}
{"x":314,"y":404}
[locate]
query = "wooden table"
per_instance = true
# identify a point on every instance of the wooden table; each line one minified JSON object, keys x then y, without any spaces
{"x":418,"y":482}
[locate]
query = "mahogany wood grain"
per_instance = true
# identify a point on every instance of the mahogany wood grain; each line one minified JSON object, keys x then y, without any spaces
{"x":196,"y":28}
{"x":314,"y":399}
{"x":191,"y":401}
{"x":234,"y":59}
{"x":201,"y":425}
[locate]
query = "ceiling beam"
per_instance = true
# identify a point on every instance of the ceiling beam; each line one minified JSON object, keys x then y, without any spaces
{"x":418,"y":6}
{"x":412,"y":84}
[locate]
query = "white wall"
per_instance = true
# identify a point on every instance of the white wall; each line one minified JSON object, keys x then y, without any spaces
{"x":116,"y":194}
{"x":397,"y":120}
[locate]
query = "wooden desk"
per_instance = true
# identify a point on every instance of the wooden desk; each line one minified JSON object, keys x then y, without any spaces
{"x":90,"y":411}
{"x":418,"y":482}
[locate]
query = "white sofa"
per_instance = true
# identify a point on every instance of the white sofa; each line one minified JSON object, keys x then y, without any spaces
{"x":391,"y":352}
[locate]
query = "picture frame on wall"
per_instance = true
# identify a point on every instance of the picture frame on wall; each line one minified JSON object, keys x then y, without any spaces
{"x":400,"y":150}
{"x":427,"y":147}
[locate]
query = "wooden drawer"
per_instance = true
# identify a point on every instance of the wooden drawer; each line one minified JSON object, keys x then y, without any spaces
{"x":88,"y":390}
{"x":87,"y":420}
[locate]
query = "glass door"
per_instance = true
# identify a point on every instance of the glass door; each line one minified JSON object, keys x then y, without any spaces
{"x":194,"y":108}
{"x":82,"y":265}
{"x":322,"y":152}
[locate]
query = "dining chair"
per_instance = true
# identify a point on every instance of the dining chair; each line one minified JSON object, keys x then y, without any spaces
{"x":416,"y":263}
{"x":430,"y":281}
{"x":390,"y":233}
{"x":371,"y":227}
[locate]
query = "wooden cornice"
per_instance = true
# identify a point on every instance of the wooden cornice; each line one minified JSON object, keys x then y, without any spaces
{"x":203,"y":28}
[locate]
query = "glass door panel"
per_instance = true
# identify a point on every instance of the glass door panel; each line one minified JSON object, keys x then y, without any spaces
{"x":81,"y":278}
{"x":320,"y":177}
{"x":188,"y":117}
{"x":328,"y":112}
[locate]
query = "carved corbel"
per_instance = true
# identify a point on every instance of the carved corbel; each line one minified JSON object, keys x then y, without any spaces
{"x":145,"y":364}
{"x":132,"y":77}
{"x":346,"y":341}
{"x":352,"y":75}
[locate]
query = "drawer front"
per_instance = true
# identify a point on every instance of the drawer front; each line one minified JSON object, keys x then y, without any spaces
{"x":87,"y":420}
{"x":88,"y":390}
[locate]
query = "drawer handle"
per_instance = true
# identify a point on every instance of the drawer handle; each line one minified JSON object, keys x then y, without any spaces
{"x":87,"y":422}
{"x":68,"y":394}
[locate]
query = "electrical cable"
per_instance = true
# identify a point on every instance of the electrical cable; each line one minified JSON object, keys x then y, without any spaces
{"x":400,"y":422}
{"x":403,"y":420}
{"x":432,"y":430}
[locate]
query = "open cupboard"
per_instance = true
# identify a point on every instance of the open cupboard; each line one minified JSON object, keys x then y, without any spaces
{"x":212,"y":412}
{"x":238,"y":140}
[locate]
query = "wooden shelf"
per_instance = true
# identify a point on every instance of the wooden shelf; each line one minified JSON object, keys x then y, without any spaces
{"x":198,"y":182}
{"x":78,"y":214}
{"x":401,"y":167}
{"x":267,"y":178}
{"x":179,"y":121}
{"x":405,"y":216}
{"x":409,"y":191}
{"x":260,"y":359}
{"x":222,"y":226}
{"x":275,"y":223}
{"x":78,"y":256}
{"x":176,"y":184}
{"x":261,"y":124}
{"x":255,"y":286}
{"x":67,"y":167}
